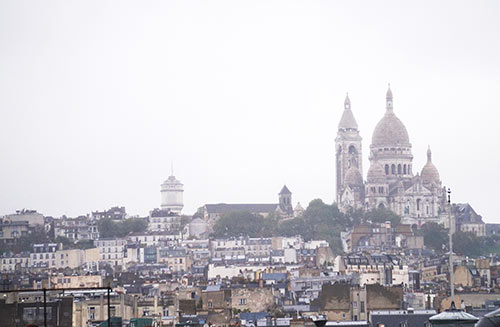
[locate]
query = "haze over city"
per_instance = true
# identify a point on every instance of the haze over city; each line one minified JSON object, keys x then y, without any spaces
{"x":98,"y":99}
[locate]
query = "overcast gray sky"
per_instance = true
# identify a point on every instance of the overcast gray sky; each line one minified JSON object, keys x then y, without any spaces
{"x":98,"y":97}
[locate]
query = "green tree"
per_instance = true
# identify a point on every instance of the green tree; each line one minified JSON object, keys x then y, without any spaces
{"x":84,"y":244}
{"x":240,"y":223}
{"x":435,"y":236}
{"x":109,"y":228}
{"x":467,"y":244}
{"x":66,"y":242}
{"x":381,"y":215}
{"x":25,"y":242}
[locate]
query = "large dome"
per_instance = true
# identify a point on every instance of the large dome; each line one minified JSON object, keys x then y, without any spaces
{"x":429,"y":173}
{"x":390,"y":131}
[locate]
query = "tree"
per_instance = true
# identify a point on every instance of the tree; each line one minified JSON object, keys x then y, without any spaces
{"x":84,"y":244}
{"x":25,"y":242}
{"x":66,"y":242}
{"x":467,"y":244}
{"x":435,"y":235}
{"x":381,"y":215}
{"x":239,"y":223}
{"x":110,"y":228}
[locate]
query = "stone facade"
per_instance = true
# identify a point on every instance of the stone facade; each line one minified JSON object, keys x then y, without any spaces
{"x":172,"y":194}
{"x":257,"y":299}
{"x":391,"y":182}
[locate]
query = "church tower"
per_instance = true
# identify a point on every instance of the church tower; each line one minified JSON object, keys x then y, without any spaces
{"x":348,"y":157}
{"x":285,"y":200}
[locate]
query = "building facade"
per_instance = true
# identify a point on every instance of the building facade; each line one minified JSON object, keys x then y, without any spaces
{"x":172,"y":192}
{"x":391,"y":182}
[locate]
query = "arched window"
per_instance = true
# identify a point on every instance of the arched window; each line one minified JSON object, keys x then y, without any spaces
{"x":399,"y":169}
{"x":409,"y":169}
{"x":393,"y":169}
{"x":387,"y":169}
{"x":418,"y":204}
{"x":381,"y":206}
{"x":404,"y":169}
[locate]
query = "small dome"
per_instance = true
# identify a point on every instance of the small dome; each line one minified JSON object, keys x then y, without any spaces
{"x":353,"y":176}
{"x":376,"y":173}
{"x":429,"y":173}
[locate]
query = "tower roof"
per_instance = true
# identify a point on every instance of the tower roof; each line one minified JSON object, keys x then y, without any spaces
{"x":390,"y":131}
{"x":347,"y":121}
{"x":285,"y":190}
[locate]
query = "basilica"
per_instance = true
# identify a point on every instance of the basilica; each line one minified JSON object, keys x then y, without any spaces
{"x":391,"y":182}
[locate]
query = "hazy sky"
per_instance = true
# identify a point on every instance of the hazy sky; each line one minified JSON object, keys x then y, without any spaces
{"x":97,"y":98}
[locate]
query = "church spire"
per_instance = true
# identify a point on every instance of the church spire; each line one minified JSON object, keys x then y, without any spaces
{"x":388,"y":99}
{"x":347,"y":121}
{"x":429,"y":154}
{"x":347,"y":102}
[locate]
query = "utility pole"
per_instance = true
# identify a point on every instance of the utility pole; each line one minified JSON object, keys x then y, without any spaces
{"x":450,"y":259}
{"x":109,"y":307}
{"x":45,"y":306}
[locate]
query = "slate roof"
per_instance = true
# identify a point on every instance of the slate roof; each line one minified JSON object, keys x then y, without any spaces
{"x":253,"y":316}
{"x":222,"y":208}
{"x":285,"y":190}
{"x":398,"y":318}
{"x":465,"y":214}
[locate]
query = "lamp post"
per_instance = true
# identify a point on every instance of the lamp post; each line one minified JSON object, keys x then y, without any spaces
{"x":450,"y":259}
{"x":452,"y":317}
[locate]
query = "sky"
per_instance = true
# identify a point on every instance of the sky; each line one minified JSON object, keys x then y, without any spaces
{"x":99,"y":98}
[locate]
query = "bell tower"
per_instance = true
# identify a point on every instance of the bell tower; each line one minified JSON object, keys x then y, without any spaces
{"x":347,"y":148}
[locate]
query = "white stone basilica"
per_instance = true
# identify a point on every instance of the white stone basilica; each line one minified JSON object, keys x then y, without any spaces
{"x":390,"y":181}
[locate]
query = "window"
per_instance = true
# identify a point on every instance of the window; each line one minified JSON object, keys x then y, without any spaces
{"x":92,"y":313}
{"x":210,"y":305}
{"x":399,"y":169}
{"x":243,"y":301}
{"x":362,"y":306}
{"x":393,"y":169}
{"x":387,"y":169}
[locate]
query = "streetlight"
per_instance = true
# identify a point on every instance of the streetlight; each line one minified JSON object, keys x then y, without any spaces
{"x":452,"y":317}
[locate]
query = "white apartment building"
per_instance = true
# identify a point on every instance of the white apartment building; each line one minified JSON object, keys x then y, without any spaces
{"x":111,"y":250}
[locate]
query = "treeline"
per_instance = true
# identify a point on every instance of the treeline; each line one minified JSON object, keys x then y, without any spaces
{"x":325,"y":221}
{"x":106,"y":227}
{"x":109,"y":228}
{"x":319,"y":221}
{"x":468,"y":244}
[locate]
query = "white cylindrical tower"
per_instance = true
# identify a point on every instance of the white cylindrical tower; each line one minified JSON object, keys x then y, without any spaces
{"x":172,"y":194}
